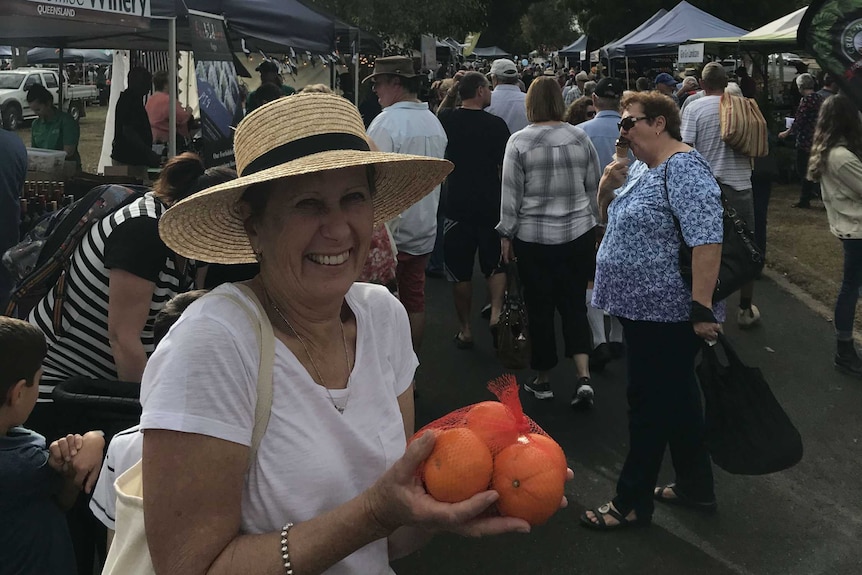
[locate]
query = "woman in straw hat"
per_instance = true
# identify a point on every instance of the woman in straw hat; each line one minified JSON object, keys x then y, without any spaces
{"x":330,"y":487}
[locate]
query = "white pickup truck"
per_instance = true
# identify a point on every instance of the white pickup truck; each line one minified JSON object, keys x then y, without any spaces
{"x":14,"y":109}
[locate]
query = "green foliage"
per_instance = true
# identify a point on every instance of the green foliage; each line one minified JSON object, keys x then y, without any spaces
{"x":548,"y":26}
{"x":407,"y":19}
{"x":606,"y":21}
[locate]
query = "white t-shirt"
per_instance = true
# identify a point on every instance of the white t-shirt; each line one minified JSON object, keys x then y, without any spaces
{"x":123,"y":452}
{"x":701,"y":127}
{"x":411,"y":128}
{"x":203,"y":379}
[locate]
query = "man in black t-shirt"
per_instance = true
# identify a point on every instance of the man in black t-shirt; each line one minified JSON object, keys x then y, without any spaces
{"x":133,"y":137}
{"x":477,"y":143}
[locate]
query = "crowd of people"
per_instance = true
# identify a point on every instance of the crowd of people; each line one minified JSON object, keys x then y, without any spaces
{"x":244,"y":305}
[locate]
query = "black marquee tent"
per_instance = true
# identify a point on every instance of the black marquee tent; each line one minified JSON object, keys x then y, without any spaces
{"x":490,"y":52}
{"x":574,"y":49}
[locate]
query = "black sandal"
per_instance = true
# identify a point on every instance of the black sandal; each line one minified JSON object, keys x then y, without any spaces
{"x":604,"y":511}
{"x":463,"y":343}
{"x":681,"y":500}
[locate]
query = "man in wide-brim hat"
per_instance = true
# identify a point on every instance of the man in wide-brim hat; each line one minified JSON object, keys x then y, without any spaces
{"x":407,"y":126}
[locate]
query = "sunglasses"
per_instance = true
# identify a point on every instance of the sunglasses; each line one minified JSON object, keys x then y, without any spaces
{"x":591,"y":114}
{"x":629,"y":122}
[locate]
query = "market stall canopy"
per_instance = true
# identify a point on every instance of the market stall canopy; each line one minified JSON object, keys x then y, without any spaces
{"x":274,"y":23}
{"x":269,"y":24}
{"x":780,"y":33}
{"x":574,"y":49}
{"x":52,"y":56}
{"x":490,"y":52}
{"x":347,"y":36}
{"x":678,"y":26}
{"x":615,"y":49}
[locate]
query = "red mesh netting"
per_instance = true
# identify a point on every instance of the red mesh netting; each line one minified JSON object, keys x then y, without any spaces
{"x":493,"y":444}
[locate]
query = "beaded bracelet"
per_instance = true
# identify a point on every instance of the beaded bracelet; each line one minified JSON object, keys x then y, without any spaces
{"x":285,"y":554}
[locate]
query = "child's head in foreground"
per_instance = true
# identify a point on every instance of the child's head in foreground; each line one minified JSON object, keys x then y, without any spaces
{"x":172,"y":311}
{"x":22,"y":349}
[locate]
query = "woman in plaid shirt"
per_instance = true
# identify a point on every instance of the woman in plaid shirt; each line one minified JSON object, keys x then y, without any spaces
{"x":548,"y":217}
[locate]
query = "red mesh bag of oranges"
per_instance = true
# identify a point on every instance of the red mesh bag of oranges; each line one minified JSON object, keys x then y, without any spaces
{"x":494,"y":445}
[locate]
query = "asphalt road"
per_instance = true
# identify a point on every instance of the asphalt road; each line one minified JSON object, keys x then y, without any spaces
{"x":804,"y":521}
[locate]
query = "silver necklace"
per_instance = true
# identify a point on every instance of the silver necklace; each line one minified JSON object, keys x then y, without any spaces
{"x":311,"y":358}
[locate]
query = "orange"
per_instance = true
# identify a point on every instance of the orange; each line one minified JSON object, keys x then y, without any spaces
{"x":530,"y":479}
{"x":459,"y":467}
{"x":552,"y":448}
{"x":494,"y":423}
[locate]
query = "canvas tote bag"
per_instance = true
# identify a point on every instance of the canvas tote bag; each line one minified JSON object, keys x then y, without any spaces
{"x":129,"y":554}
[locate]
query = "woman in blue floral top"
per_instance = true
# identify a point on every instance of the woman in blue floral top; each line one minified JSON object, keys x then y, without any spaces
{"x":638,"y":280}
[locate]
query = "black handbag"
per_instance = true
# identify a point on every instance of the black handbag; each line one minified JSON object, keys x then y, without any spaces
{"x":513,"y":336}
{"x":746,"y":430}
{"x":741,"y":259}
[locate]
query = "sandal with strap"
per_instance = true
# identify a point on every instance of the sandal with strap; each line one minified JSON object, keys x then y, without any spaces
{"x":462,"y":343}
{"x":681,"y":500}
{"x":604,"y":511}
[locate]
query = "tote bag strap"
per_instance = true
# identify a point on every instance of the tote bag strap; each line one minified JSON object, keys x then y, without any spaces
{"x":732,"y":357}
{"x":266,"y":340}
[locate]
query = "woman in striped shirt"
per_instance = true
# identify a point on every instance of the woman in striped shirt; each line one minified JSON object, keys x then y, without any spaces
{"x":120,"y":276}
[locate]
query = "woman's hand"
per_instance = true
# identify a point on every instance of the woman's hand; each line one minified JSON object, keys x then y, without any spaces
{"x":398,"y":498}
{"x":614,"y":175}
{"x":784,"y":134}
{"x":707,"y":331}
{"x":507,"y":254}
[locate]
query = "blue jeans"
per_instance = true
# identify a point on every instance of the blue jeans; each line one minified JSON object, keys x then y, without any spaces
{"x":845,"y":305}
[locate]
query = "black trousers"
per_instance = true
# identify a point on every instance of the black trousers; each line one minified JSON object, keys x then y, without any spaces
{"x":554,"y":277}
{"x":809,"y":190}
{"x":761,"y":189}
{"x":664,"y":410}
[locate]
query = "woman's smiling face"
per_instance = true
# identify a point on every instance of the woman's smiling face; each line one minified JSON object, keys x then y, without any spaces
{"x":316,"y":232}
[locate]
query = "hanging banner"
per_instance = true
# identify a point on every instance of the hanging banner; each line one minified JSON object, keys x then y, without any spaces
{"x":690,"y":53}
{"x":429,"y":52}
{"x":470,"y":43}
{"x":832,"y":31}
{"x":130,"y":13}
{"x":218,"y":90}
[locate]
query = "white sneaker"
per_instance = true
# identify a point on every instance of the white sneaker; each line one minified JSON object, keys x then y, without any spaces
{"x":747,"y":318}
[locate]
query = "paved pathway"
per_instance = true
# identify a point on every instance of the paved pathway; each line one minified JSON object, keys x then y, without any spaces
{"x":804,"y":521}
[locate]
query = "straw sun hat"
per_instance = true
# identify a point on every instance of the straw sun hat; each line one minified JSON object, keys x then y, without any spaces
{"x":291,"y":136}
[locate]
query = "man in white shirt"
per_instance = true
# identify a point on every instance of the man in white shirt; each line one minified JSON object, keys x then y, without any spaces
{"x":407,"y":126}
{"x":507,"y":99}
{"x":701,"y":129}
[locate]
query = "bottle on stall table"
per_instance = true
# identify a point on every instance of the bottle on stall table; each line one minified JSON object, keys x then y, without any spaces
{"x":23,"y":226}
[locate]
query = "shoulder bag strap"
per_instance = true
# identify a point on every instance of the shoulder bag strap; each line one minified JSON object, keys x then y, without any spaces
{"x":667,"y":199}
{"x":266,"y":339}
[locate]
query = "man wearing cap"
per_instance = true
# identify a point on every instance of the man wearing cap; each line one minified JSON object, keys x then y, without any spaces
{"x":701,"y":129}
{"x":407,"y":126}
{"x":269,"y":74}
{"x":603,"y":131}
{"x":507,"y":100}
{"x":665,"y":84}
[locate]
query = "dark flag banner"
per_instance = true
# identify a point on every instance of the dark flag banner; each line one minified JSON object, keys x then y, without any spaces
{"x":832,"y":31}
{"x":218,"y":89}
